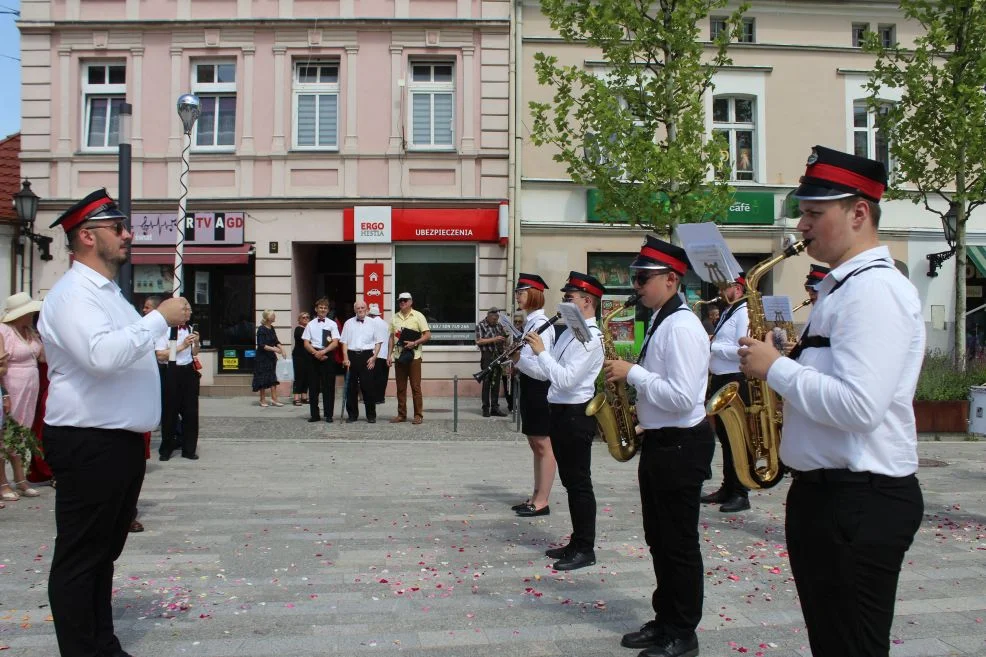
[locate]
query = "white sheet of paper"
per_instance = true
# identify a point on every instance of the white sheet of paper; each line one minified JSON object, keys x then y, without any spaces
{"x":708,"y":252}
{"x":509,"y":327}
{"x":777,"y":309}
{"x":573,"y":318}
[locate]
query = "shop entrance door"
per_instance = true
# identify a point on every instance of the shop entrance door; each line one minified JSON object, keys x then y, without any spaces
{"x":336,"y":278}
{"x":223,"y":312}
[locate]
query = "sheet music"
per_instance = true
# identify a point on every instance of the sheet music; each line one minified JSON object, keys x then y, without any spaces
{"x":777,"y":309}
{"x":575,"y":321}
{"x":708,"y":253}
{"x":509,"y":327}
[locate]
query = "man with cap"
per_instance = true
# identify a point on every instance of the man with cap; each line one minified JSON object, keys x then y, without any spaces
{"x":381,"y":368}
{"x":408,"y":331}
{"x":676,"y":454}
{"x":572,"y":368}
{"x":490,"y":338}
{"x":724,"y":367}
{"x":361,"y":342}
{"x":815,"y":277}
{"x":849,"y":434}
{"x":104,"y":394}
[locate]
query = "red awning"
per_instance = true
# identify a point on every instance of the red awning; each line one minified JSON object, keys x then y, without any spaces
{"x":192,"y":255}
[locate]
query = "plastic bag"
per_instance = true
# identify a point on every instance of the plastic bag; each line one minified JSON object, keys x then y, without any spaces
{"x":285,"y":369}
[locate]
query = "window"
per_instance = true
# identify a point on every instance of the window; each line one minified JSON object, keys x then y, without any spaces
{"x":316,"y":105}
{"x":859,"y":31}
{"x":748,"y":32}
{"x":734,"y":119}
{"x":868,"y":140}
{"x":104,"y":88}
{"x":888,"y":35}
{"x":442,"y":279}
{"x":215,"y":85}
{"x":717,"y":25}
{"x":432,"y":93}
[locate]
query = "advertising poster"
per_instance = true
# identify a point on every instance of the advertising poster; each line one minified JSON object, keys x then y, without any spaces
{"x":623,"y":326}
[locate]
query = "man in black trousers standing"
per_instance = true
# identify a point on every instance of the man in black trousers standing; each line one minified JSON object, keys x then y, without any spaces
{"x":321,"y":338}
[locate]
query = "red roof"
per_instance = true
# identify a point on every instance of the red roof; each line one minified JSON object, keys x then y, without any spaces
{"x":10,"y":175}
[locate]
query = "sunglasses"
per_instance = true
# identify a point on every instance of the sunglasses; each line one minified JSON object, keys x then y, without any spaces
{"x":403,"y":300}
{"x":641,"y":277}
{"x":118,"y":227}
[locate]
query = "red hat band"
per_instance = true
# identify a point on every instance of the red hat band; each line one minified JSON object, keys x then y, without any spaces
{"x":835,"y":174}
{"x":537,"y":285}
{"x":741,"y":280}
{"x":675,"y":264}
{"x":820,"y":275}
{"x":84,"y":213}
{"x":585,"y":286}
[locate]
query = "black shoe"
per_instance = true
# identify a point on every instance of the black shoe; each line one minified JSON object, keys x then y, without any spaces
{"x":314,"y":419}
{"x":163,"y":457}
{"x":735,"y":503}
{"x":328,"y":419}
{"x":649,"y":635}
{"x":717,"y":497}
{"x":371,"y":420}
{"x":496,"y":412}
{"x":350,"y":420}
{"x":671,"y":647}
{"x":190,"y":457}
{"x":518,"y":507}
{"x":575,"y":559}
{"x":558,"y":552}
{"x":486,"y":413}
{"x":529,"y":511}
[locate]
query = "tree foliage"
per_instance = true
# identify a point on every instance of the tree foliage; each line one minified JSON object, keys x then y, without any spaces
{"x":634,"y":127}
{"x":937,"y":131}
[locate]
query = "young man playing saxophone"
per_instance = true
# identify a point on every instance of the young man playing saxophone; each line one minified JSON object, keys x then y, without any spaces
{"x":676,"y":454}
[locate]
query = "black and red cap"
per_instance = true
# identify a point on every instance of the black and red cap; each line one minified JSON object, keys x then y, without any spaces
{"x":741,"y":279}
{"x":659,"y":255}
{"x":97,"y":205}
{"x":578,"y":282}
{"x":816,"y":275}
{"x":832,"y":175}
{"x":530,"y":281}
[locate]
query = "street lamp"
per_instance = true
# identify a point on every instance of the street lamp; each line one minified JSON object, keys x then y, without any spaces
{"x":950,"y":224}
{"x":26,"y":206}
{"x":125,"y":276}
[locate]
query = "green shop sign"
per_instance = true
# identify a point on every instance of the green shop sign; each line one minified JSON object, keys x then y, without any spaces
{"x":747,"y":208}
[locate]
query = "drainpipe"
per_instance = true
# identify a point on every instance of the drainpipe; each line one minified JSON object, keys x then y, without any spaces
{"x":514,"y":149}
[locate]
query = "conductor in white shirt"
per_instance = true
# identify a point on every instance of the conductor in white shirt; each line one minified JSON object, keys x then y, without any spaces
{"x":361,"y":340}
{"x":849,"y":438}
{"x":104,"y":394}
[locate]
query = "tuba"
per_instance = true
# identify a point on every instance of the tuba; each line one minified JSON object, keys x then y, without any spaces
{"x":612,"y":408}
{"x":754,"y":431}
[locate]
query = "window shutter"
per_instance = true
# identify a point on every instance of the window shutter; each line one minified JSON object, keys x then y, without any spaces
{"x":328,"y":120}
{"x":421,"y":119}
{"x":97,"y":121}
{"x":306,"y":120}
{"x":443,"y":119}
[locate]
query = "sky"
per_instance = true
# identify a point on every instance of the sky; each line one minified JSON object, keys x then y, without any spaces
{"x":10,"y":69}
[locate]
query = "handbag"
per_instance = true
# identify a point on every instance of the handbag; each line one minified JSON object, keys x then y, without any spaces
{"x":284,"y":370}
{"x":196,"y":363}
{"x":407,"y":335}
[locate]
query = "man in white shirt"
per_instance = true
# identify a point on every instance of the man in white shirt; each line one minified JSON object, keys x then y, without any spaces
{"x":104,"y":394}
{"x":381,"y":371}
{"x":676,"y":453}
{"x":572,"y":368}
{"x":181,"y":394}
{"x":361,"y":340}
{"x":849,"y":434}
{"x":321,"y":338}
{"x":733,"y":324}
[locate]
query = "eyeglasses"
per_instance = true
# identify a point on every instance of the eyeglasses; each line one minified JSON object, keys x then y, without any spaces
{"x":118,"y":227}
{"x":568,"y":298}
{"x":641,"y":277}
{"x":403,"y":300}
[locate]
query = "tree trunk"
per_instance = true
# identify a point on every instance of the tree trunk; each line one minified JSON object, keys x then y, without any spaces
{"x":960,"y":263}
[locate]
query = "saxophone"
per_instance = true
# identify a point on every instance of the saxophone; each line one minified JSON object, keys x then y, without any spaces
{"x":612,"y":408}
{"x":754,"y":431}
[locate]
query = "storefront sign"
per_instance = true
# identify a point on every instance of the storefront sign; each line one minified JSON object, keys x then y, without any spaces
{"x":231,"y":363}
{"x":373,"y":283}
{"x":746,"y":208}
{"x":421,"y":225}
{"x":214,"y":228}
{"x":154,"y":279}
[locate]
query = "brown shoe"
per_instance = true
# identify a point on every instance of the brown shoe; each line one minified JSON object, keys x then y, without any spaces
{"x":395,"y":420}
{"x":417,"y":420}
{"x":135,"y":526}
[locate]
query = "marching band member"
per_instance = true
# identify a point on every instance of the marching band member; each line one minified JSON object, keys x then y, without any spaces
{"x":849,"y":432}
{"x":815,"y":277}
{"x":724,"y":367}
{"x":534,"y":410}
{"x":676,"y":455}
{"x":572,"y":368}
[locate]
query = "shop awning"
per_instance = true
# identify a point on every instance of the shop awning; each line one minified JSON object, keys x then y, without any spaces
{"x":192,"y":255}
{"x":977,"y":256}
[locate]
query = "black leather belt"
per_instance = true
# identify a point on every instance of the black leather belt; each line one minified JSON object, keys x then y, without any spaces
{"x":842,"y":476}
{"x":361,"y":351}
{"x":675,"y":435}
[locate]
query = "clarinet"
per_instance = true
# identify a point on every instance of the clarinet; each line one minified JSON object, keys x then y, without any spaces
{"x":479,"y":376}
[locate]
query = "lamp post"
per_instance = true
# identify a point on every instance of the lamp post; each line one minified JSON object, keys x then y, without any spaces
{"x":26,"y":207}
{"x":188,"y":111}
{"x":125,"y":277}
{"x":950,"y":226}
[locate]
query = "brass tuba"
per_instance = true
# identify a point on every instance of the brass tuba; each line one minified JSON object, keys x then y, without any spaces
{"x":612,"y":408}
{"x":754,"y":431}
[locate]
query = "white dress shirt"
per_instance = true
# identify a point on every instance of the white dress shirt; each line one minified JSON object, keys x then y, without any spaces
{"x":528,"y":362}
{"x":360,"y":335}
{"x":572,"y":367}
{"x":725,"y":344}
{"x":850,"y":405}
{"x":382,"y":334}
{"x":314,"y":332}
{"x":673,"y":376}
{"x":100,"y":352}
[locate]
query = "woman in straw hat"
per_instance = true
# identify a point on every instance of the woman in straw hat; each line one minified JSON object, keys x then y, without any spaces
{"x":21,"y":381}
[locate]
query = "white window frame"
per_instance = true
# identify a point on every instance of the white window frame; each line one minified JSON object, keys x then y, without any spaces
{"x":857,"y":39}
{"x":871,"y":132}
{"x":750,"y":85}
{"x":751,"y":22}
{"x":106,"y":91}
{"x":431,"y":88}
{"x":887,"y":29}
{"x":319,"y":90}
{"x":714,"y":23}
{"x":213,"y":90}
{"x":731,"y":127}
{"x":856,"y":91}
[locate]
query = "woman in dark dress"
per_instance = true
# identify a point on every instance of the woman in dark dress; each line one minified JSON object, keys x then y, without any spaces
{"x":264,"y":365}
{"x":300,"y":359}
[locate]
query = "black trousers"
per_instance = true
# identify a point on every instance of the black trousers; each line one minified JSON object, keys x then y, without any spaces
{"x":673,"y":464}
{"x":571,"y":440}
{"x":99,"y":473}
{"x":322,"y":378}
{"x":731,"y":485}
{"x":362,"y":379}
{"x":181,"y":397}
{"x":381,"y":374}
{"x":491,"y":382}
{"x":847,"y":539}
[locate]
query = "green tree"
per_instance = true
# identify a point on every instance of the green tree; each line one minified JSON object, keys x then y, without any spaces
{"x":937,"y":131}
{"x":635,"y":128}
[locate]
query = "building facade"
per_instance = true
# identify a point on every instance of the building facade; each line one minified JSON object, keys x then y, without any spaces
{"x":348,"y":149}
